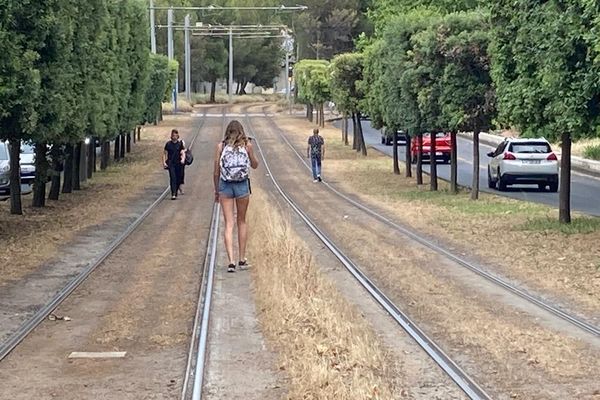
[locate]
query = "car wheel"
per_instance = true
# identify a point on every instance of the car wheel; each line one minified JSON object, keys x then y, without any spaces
{"x":501,"y":183}
{"x":554,"y":187}
{"x":491,"y":182}
{"x":382,"y":140}
{"x":542,"y":186}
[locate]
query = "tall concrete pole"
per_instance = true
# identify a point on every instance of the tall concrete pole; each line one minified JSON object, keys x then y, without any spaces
{"x":188,"y":60}
{"x":152,"y":28}
{"x":171,"y":53}
{"x":230,"y":66}
{"x":287,"y":76}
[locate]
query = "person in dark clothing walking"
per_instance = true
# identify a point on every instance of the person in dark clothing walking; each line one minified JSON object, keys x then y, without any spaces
{"x":316,"y":152}
{"x":173,"y":160}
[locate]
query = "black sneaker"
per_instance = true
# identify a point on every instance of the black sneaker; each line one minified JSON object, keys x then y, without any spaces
{"x":243,"y":264}
{"x":319,"y":178}
{"x":231,"y":268}
{"x":173,"y":197}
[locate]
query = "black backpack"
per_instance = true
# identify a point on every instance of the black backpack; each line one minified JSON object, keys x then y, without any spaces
{"x":189,"y":157}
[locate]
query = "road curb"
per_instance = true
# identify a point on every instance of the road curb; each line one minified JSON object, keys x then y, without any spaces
{"x":578,"y":164}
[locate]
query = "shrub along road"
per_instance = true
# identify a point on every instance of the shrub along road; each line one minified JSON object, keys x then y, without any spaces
{"x":585,"y":190}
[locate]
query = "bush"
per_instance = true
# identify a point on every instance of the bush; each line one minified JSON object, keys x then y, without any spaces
{"x":592,"y":152}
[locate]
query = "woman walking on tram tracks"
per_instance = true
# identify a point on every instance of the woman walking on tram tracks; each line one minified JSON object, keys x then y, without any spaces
{"x":173,"y":160}
{"x":234,"y":157}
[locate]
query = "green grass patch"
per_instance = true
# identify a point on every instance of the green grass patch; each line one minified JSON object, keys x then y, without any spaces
{"x":579,"y":225}
{"x":462,"y":203}
{"x":592,"y":152}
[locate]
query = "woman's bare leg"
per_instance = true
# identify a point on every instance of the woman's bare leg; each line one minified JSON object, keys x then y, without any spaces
{"x":242,"y":207}
{"x":227,"y":207}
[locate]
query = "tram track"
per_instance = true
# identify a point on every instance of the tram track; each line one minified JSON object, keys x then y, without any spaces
{"x":575,"y":321}
{"x":466,"y":383}
{"x":194,"y":374}
{"x":41,"y":314}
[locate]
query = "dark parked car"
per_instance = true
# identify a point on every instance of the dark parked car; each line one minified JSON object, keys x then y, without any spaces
{"x":387,"y":137}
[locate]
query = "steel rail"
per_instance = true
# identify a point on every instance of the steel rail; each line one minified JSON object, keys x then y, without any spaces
{"x":197,"y":352}
{"x":460,"y":377}
{"x":28,"y":326}
{"x":565,"y":316}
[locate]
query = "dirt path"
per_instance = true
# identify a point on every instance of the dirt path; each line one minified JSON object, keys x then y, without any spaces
{"x":141,"y":300}
{"x":510,"y":348}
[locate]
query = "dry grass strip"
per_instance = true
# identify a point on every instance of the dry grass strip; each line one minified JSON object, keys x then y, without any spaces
{"x":326,"y":348}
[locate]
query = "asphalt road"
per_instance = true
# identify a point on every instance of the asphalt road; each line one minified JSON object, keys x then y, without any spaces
{"x":585,"y":190}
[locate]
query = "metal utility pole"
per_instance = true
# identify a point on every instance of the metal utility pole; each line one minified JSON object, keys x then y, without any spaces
{"x":230,"y":66}
{"x":171,"y":54}
{"x":152,"y":28}
{"x":188,"y":60}
{"x":287,"y":76}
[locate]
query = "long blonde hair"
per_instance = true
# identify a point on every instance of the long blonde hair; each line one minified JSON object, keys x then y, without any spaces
{"x":235,"y":135}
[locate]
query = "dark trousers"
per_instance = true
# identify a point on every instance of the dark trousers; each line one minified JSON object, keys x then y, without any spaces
{"x":175,"y":177}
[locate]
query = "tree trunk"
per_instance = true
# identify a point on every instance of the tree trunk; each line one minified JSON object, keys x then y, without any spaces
{"x":104,"y":155}
{"x":213,"y":90}
{"x":91,"y":158}
{"x":139,"y":133}
{"x":57,"y":167}
{"x":135,"y":134}
{"x":361,"y":136}
{"x":76,"y":165}
{"x":15,"y":177}
{"x":41,"y":174}
{"x":346,"y":129}
{"x":395,"y":152}
{"x":453,"y":164}
{"x":354,"y":135}
{"x":475,"y":184}
{"x":322,"y":108}
{"x":117,"y":149}
{"x":238,"y":88}
{"x":433,"y":181}
{"x":68,"y":174}
{"x":122,"y":148}
{"x":128,"y":142}
{"x":408,"y":162}
{"x":419,"y":156}
{"x":564,"y":197}
{"x":83,"y":165}
{"x":309,"y":112}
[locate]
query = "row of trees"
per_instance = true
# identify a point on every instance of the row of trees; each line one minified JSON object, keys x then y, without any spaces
{"x":73,"y":70}
{"x":473,"y":65}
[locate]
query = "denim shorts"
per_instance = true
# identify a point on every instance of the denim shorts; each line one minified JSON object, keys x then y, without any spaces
{"x":234,"y":190}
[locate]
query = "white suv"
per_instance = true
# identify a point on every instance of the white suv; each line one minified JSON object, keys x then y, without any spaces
{"x":523,"y":161}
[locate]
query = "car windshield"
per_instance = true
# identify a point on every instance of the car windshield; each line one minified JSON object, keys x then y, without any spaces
{"x":530,"y":147}
{"x":3,"y":152}
{"x":27,"y":149}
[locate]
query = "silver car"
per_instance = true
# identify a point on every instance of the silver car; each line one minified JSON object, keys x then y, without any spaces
{"x":523,"y":161}
{"x":4,"y":169}
{"x":27,"y":163}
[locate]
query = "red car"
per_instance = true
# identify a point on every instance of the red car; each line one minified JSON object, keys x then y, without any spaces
{"x":443,"y":146}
